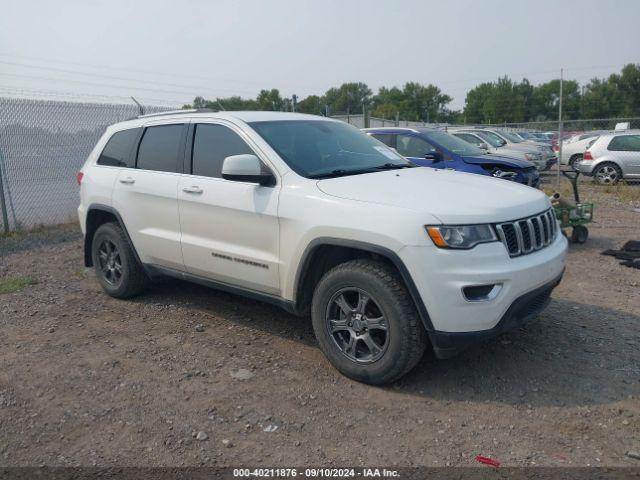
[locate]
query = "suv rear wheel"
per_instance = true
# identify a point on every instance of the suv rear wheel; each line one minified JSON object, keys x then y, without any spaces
{"x":366,"y":323}
{"x":115,"y":263}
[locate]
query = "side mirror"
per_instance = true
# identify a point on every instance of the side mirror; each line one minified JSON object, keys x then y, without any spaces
{"x":246,"y":168}
{"x":435,"y":156}
{"x":483,"y":146}
{"x":503,"y":142}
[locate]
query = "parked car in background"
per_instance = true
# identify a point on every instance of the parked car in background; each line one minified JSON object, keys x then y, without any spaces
{"x":573,"y":148}
{"x":314,"y":216}
{"x":491,"y":145}
{"x":547,"y":151}
{"x":438,"y":149}
{"x":533,"y":154}
{"x":612,"y":157}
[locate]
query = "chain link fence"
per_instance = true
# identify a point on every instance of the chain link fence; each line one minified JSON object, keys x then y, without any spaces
{"x":362,"y":121}
{"x":43,"y":143}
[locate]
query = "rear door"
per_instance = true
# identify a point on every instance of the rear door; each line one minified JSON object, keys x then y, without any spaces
{"x":230,"y":229}
{"x":146,"y":196}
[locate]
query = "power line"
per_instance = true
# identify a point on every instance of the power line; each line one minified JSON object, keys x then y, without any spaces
{"x":76,"y":72}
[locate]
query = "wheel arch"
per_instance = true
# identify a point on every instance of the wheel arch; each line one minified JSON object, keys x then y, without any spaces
{"x":98,"y":214}
{"x":324,"y":253}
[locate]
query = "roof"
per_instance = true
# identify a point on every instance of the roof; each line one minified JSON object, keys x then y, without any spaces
{"x":244,"y":116}
{"x":400,"y":129}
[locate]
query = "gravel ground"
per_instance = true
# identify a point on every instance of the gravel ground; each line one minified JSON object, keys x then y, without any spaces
{"x":189,"y":376}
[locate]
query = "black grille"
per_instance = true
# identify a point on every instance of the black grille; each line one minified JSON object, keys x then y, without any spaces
{"x":510,"y":239}
{"x":528,"y":234}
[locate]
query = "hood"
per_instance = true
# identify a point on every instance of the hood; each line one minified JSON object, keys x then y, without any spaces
{"x":452,"y":197}
{"x":499,"y":160}
{"x":522,"y":147}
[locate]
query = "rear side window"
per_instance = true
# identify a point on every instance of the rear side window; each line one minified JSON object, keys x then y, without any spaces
{"x":410,"y":146}
{"x":385,"y":138}
{"x":211,"y":145}
{"x":468,"y":138}
{"x":625,"y":143}
{"x":160,"y":147}
{"x":117,"y":151}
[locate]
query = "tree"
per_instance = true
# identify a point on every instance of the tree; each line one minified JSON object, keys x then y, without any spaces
{"x":348,"y":98}
{"x":311,"y":104}
{"x":270,"y":100}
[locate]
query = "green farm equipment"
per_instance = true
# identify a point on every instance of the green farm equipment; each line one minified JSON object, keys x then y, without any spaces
{"x":573,"y":215}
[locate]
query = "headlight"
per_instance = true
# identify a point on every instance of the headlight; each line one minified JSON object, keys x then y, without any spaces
{"x":532,"y":157}
{"x":461,"y":236}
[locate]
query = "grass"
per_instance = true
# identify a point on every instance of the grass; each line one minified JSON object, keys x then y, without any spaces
{"x":19,"y":240}
{"x":15,"y":284}
{"x":624,"y":192}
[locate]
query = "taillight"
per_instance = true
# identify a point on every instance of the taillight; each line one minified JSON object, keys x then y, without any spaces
{"x":79,"y":176}
{"x":587,"y":155}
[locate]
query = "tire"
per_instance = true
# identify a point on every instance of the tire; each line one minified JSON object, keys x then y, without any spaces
{"x":580,"y":234}
{"x":607,"y":174}
{"x":115,"y":263}
{"x":574,"y":160}
{"x":388,"y":318}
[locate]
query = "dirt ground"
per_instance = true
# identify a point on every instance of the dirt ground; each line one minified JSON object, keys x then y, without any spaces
{"x":89,"y":380}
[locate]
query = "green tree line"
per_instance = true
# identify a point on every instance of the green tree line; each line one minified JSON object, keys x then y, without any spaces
{"x":504,"y":100}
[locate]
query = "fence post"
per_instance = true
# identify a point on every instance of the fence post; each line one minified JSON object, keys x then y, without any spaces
{"x":3,"y":203}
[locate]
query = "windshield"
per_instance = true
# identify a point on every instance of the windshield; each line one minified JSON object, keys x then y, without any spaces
{"x":454,"y":144}
{"x":512,"y":137}
{"x":318,"y":148}
{"x":491,"y":138}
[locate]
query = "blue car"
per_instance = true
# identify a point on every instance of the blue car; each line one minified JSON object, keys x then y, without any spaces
{"x":437,"y":149}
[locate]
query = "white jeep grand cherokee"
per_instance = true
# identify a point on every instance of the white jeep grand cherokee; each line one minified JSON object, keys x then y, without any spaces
{"x":317,"y":217}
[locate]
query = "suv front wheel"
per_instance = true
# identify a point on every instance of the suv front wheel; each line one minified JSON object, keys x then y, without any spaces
{"x":366,"y":322}
{"x":115,"y":263}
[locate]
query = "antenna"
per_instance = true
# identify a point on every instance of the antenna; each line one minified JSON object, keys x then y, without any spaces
{"x":140,"y":107}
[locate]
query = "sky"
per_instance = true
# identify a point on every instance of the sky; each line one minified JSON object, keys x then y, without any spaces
{"x":169,"y":51}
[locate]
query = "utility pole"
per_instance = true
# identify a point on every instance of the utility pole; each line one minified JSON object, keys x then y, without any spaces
{"x":3,"y":204}
{"x":559,"y":131}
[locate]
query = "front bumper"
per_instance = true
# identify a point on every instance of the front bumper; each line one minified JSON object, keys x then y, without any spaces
{"x":441,"y":275}
{"x":523,"y":309}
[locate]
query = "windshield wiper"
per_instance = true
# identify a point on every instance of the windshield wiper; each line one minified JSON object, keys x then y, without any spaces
{"x":394,"y":166}
{"x":340,"y":172}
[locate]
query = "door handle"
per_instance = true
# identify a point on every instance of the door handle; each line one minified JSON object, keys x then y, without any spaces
{"x":127,"y":181}
{"x":194,"y":189}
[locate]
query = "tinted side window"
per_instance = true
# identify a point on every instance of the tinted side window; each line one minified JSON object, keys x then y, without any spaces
{"x":385,"y":138}
{"x":160,"y":147}
{"x":211,"y":145}
{"x":410,"y":146}
{"x":625,"y":143}
{"x":117,"y":151}
{"x":468,"y":138}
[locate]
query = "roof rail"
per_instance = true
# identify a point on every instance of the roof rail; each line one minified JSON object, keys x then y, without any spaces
{"x":177,"y":112}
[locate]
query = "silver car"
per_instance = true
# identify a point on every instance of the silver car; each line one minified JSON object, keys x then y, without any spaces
{"x":494,"y":144}
{"x":612,"y":157}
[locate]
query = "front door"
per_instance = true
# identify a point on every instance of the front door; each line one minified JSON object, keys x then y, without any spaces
{"x":229,"y":229}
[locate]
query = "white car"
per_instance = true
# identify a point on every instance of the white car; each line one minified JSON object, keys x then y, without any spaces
{"x":573,"y":148}
{"x":311,"y":214}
